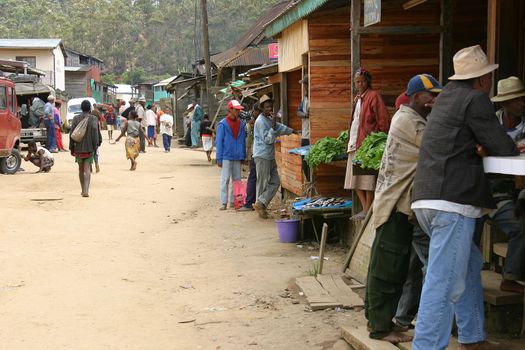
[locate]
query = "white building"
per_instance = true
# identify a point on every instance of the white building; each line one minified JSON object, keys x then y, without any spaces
{"x":47,"y":55}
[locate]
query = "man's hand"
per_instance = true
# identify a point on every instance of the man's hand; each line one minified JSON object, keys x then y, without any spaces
{"x":296,"y":132}
{"x":274,"y":121}
{"x":219,"y":165}
{"x":481,"y":151}
{"x":520,"y":145}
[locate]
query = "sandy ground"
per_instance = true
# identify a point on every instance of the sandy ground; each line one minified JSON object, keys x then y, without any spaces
{"x":148,"y":262}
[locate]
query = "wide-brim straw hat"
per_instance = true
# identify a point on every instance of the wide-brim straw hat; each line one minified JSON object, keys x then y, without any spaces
{"x":509,"y":89}
{"x":264,"y":98}
{"x":471,"y":62}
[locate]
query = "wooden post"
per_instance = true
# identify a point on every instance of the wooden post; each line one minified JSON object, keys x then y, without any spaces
{"x":356,"y":39}
{"x":322,"y":247}
{"x":445,"y":42}
{"x":284,"y":98}
{"x":206,"y":43}
{"x":492,"y":28}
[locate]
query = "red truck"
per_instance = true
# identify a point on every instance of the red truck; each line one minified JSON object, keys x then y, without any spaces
{"x":10,"y":127}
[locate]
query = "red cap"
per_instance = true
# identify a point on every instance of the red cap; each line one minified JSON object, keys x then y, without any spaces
{"x":234,"y":104}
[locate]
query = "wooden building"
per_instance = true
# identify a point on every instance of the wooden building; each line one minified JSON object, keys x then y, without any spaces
{"x":330,"y":39}
{"x":83,"y":76}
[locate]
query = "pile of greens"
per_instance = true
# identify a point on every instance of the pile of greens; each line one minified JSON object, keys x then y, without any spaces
{"x":327,"y":149}
{"x":369,"y":155}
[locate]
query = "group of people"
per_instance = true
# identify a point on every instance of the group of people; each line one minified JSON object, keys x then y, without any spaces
{"x":231,"y":151}
{"x":432,"y":197}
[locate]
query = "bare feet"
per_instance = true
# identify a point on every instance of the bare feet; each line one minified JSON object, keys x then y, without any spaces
{"x":85,"y":195}
{"x":396,"y":337}
{"x":511,"y":286}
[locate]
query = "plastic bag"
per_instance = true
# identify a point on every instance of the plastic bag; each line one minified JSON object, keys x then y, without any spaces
{"x":239,"y":193}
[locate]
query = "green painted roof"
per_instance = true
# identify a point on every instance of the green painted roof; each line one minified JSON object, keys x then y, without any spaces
{"x":300,"y":10}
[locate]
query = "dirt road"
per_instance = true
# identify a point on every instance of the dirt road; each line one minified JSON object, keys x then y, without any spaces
{"x":147,"y":262}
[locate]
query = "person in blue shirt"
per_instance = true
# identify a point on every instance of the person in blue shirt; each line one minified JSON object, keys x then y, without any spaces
{"x":230,"y":150}
{"x":266,"y":130}
{"x":49,"y":122}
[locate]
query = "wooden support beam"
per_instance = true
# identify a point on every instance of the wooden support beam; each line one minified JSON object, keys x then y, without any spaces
{"x":355,"y":39}
{"x":284,"y":98}
{"x":445,"y":42}
{"x":397,"y":30}
{"x":492,"y":30}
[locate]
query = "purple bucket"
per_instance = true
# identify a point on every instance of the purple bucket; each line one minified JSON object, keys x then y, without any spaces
{"x":288,"y":230}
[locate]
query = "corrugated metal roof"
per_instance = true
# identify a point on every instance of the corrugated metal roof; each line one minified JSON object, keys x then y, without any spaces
{"x":166,"y":81}
{"x":251,"y":56}
{"x":300,"y":9}
{"x":253,"y":37}
{"x":32,"y":44}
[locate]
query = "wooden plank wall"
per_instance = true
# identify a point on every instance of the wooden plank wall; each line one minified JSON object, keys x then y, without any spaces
{"x":394,"y":59}
{"x":289,"y":165}
{"x":330,"y":72}
{"x":469,"y":26}
{"x":330,"y":76}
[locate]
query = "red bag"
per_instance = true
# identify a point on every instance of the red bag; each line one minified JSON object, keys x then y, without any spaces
{"x":239,"y":193}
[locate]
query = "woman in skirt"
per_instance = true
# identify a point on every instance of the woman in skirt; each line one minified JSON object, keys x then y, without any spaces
{"x":133,"y":129}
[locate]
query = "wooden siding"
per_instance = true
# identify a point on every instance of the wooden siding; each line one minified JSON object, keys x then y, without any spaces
{"x":289,"y":165}
{"x":394,"y":59}
{"x":469,"y":24}
{"x":293,"y":98}
{"x":330,"y":72}
{"x":76,"y":84}
{"x":292,"y":45}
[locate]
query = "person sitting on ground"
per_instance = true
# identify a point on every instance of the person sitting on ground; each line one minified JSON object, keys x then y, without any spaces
{"x":133,"y":129}
{"x":387,"y":271}
{"x":265,"y":134}
{"x":40,"y":157}
{"x":231,"y":151}
{"x":207,"y":136}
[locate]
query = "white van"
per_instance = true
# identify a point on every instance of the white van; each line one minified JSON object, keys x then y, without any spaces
{"x":73,"y":107}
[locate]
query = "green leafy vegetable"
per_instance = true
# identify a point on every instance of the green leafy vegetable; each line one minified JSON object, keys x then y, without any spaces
{"x":327,"y":149}
{"x":369,"y":155}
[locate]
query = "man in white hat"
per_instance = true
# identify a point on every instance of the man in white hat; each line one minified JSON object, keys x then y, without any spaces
{"x":511,"y":97}
{"x":188,"y":116}
{"x":49,"y":122}
{"x":450,"y":193}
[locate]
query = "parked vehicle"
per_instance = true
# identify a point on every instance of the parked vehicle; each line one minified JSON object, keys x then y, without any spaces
{"x":26,"y":91}
{"x":73,"y":108}
{"x":10,"y":126}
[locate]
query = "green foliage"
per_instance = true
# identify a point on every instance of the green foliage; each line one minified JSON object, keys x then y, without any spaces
{"x":369,"y":155}
{"x":159,"y":36}
{"x":134,"y":76}
{"x":327,"y":149}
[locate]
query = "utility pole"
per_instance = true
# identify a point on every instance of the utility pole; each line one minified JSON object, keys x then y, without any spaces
{"x":206,"y":43}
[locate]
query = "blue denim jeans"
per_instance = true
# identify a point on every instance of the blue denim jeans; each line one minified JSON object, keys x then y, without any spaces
{"x":409,"y":302}
{"x":166,"y":141}
{"x":231,"y":169}
{"x":452,"y":282}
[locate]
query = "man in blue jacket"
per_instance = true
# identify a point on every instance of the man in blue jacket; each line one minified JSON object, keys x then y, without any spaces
{"x":230,"y":149}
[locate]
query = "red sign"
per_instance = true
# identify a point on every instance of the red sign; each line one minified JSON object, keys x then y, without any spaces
{"x":273,"y":51}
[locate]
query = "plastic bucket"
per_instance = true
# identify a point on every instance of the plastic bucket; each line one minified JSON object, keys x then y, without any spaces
{"x":288,"y":230}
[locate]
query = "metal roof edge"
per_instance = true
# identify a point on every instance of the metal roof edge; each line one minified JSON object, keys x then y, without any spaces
{"x":299,"y":11}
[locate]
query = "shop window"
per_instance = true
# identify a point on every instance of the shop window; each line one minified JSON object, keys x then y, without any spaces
{"x":29,"y":59}
{"x":3,"y":98}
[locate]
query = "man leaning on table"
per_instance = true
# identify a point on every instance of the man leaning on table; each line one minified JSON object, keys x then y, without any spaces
{"x":450,"y":192}
{"x":511,"y":97}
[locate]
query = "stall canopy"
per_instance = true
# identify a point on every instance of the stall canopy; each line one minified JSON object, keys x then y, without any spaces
{"x":23,"y":89}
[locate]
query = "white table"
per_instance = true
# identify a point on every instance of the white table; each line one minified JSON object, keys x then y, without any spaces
{"x":505,"y":165}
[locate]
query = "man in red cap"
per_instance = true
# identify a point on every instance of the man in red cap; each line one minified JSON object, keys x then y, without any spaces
{"x":231,"y":150}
